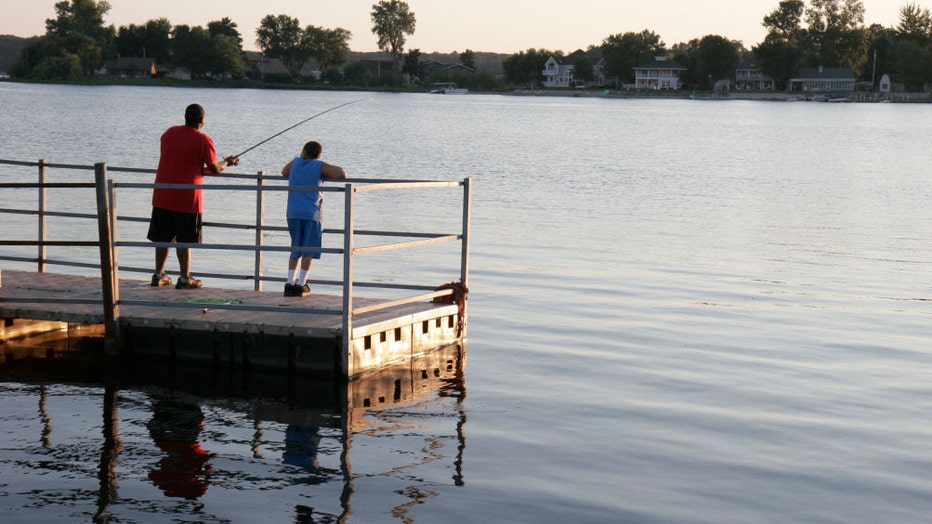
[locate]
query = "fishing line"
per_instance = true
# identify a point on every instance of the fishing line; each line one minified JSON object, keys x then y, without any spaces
{"x":298,"y":124}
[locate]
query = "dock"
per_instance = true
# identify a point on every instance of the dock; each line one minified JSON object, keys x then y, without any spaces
{"x":344,"y":335}
{"x":256,"y":328}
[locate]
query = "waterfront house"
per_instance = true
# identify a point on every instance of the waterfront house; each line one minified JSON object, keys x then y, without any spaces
{"x":749,"y":78}
{"x":256,"y":65}
{"x":558,"y":70}
{"x":130,"y":67}
{"x":659,"y":74}
{"x":840,"y":79}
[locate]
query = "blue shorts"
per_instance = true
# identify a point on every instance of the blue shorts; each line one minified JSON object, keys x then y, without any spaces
{"x":305,"y":233}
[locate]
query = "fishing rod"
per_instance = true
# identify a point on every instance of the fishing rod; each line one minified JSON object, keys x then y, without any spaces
{"x":298,"y":124}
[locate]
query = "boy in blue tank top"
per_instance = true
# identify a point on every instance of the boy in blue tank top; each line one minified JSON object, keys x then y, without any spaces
{"x":303,"y":213}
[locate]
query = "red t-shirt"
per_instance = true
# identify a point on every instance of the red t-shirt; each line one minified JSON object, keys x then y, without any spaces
{"x":185,"y":152}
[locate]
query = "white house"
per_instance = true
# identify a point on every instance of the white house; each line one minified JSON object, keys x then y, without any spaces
{"x":659,"y":74}
{"x":558,"y":71}
{"x":749,"y":78}
{"x":823,"y":79}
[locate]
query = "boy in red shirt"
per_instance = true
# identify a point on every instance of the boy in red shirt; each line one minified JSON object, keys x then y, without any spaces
{"x":187,"y":154}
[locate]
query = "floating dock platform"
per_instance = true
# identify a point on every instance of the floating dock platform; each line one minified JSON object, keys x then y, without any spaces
{"x":255,"y":328}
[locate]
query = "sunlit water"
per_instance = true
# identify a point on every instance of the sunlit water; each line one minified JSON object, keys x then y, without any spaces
{"x":680,"y":311}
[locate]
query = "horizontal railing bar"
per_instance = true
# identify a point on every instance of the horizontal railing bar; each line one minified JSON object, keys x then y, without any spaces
{"x":399,"y":234}
{"x":252,"y":227}
{"x":229,"y":247}
{"x":401,"y":302}
{"x":19,"y":259}
{"x":34,"y":185}
{"x":406,"y":185}
{"x":56,"y":300}
{"x":85,"y":243}
{"x":403,"y":245}
{"x":36,"y":164}
{"x":242,"y":307}
{"x":60,"y":214}
{"x":228,"y":187}
{"x":19,"y":211}
{"x":50,"y":262}
{"x":19,"y":163}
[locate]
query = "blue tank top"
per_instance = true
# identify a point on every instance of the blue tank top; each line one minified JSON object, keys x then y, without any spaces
{"x":304,"y":204}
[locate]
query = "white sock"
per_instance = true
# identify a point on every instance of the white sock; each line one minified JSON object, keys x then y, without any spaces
{"x":291,"y":276}
{"x":303,"y":278}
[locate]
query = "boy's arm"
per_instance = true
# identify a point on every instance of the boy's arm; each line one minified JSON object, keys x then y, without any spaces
{"x":332,"y":172}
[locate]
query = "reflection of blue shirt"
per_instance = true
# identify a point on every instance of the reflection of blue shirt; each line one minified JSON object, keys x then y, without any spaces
{"x":301,"y":443}
{"x":304,"y":204}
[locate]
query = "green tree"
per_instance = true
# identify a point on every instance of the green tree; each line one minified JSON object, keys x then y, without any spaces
{"x":226,"y":55}
{"x":188,"y":49}
{"x":391,"y":21}
{"x":282,"y":37}
{"x":911,"y":61}
{"x":79,"y":30}
{"x":583,"y":70}
{"x":785,"y":22}
{"x":623,"y":52}
{"x":716,"y":57}
{"x":329,"y":46}
{"x":836,"y":36}
{"x":225,"y":27}
{"x":47,"y":59}
{"x":780,"y":54}
{"x":150,"y":40}
{"x":355,"y":74}
{"x":526,"y":68}
{"x":468,"y":59}
{"x":412,"y":65}
{"x":778,"y":59}
{"x":915,"y":23}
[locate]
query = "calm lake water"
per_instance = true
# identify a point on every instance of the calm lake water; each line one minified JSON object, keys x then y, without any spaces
{"x":680,"y":312}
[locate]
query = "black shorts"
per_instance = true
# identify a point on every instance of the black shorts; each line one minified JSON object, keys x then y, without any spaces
{"x":173,"y":226}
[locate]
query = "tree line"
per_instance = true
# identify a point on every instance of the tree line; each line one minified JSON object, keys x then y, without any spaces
{"x":77,"y":43}
{"x":829,"y":33}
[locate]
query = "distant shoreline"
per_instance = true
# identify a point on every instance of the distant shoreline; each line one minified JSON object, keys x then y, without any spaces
{"x":773,"y":96}
{"x":778,"y":96}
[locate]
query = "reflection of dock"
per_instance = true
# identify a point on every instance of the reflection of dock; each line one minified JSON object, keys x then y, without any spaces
{"x":324,"y":419}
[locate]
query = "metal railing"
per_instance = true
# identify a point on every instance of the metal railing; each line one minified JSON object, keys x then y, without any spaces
{"x":109,"y":244}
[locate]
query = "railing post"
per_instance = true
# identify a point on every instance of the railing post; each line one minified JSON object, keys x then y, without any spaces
{"x":348,"y":241}
{"x":43,"y":179}
{"x":114,"y":258}
{"x":260,"y":214}
{"x":110,"y":286}
{"x":467,"y":211}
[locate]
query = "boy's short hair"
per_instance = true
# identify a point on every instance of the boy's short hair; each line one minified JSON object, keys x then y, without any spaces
{"x":311,"y":149}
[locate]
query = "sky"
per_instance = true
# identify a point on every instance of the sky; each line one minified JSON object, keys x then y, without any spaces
{"x":499,"y":26}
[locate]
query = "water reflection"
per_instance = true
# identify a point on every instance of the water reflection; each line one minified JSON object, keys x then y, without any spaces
{"x":236,"y":433}
{"x":185,"y":469}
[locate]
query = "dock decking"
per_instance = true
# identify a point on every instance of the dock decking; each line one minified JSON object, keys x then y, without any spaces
{"x":237,"y":333}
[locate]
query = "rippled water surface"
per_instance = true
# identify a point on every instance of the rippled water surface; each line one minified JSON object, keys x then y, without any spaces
{"x":680,"y":311}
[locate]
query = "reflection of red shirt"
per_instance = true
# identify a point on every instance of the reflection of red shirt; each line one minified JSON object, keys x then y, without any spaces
{"x":184,"y":472}
{"x":185,"y":152}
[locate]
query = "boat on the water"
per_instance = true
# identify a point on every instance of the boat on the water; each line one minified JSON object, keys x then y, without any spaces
{"x":447,"y":88}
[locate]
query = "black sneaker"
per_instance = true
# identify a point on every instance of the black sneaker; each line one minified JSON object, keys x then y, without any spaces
{"x":302,"y":291}
{"x":289,"y":289}
{"x":188,"y":283}
{"x":161,"y":279}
